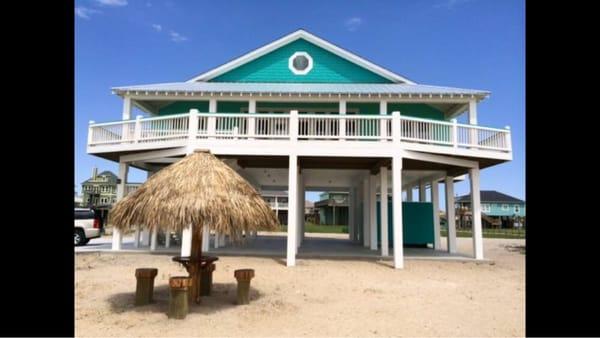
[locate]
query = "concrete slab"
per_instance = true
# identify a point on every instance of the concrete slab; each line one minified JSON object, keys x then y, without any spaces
{"x":314,"y":246}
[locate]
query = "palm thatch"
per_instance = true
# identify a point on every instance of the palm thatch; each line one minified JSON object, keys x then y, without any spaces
{"x":198,"y":190}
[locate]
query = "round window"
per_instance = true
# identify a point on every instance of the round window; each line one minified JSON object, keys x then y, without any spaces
{"x":300,"y":63}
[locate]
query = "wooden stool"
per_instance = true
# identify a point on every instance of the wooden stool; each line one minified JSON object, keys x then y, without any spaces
{"x":145,"y":285}
{"x":243,"y":277}
{"x":179,"y":300}
{"x":206,"y":279}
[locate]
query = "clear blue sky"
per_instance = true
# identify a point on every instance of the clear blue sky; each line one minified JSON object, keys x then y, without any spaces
{"x":478,"y":44}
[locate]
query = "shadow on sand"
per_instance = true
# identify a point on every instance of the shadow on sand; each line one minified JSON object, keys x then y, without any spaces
{"x":223,"y":296}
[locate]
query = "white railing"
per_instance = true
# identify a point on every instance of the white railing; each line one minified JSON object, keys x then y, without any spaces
{"x":303,"y":127}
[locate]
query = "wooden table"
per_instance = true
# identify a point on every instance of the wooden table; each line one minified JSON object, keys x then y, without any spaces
{"x":193,"y":266}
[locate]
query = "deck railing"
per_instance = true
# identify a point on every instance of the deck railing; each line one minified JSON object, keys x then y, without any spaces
{"x":300,"y":127}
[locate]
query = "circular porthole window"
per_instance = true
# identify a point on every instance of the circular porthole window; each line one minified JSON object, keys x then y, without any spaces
{"x":300,"y":63}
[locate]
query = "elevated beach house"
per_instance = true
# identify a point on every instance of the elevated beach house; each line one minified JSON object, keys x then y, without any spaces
{"x":301,"y":113}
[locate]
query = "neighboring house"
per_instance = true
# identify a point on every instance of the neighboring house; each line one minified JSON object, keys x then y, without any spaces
{"x":497,"y":209}
{"x":301,"y":113}
{"x":100,"y":190}
{"x":333,"y":208}
{"x":278,"y":201}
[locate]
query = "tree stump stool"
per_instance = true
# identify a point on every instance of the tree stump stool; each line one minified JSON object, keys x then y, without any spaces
{"x":179,"y":300}
{"x":206,"y":279}
{"x":145,"y":285}
{"x":243,"y":277}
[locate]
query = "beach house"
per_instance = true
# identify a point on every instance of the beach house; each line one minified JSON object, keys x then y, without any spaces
{"x":303,"y":114}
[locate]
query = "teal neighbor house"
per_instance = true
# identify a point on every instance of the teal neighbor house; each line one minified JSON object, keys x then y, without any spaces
{"x":497,"y":209}
{"x":303,"y":114}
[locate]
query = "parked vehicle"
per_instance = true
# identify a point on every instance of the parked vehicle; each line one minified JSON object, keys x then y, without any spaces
{"x":87,"y":226}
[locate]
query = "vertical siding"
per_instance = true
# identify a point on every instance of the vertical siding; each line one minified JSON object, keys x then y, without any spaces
{"x":420,"y":110}
{"x":327,"y":68}
{"x":181,"y":107}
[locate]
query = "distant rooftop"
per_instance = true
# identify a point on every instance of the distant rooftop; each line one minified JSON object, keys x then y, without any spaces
{"x":490,"y":196}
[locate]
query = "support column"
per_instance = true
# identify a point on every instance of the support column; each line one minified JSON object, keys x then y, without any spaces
{"x":186,"y":242}
{"x":145,"y":237}
{"x":476,"y":212}
{"x":383,"y":123}
{"x":435,"y":200}
{"x":366,"y":219}
{"x":212,"y":121}
{"x":205,"y":239}
{"x":153,"y":239}
{"x":450,"y":214}
{"x":342,"y":126}
{"x":397,"y":211}
{"x":136,"y":237}
{"x":251,"y":120}
{"x":117,"y":240}
{"x":216,"y":241}
{"x":473,"y":121}
{"x":409,"y":194}
{"x":422,"y":191}
{"x":373,"y":211}
{"x":167,"y":239}
{"x":292,"y":209}
{"x":351,"y":222}
{"x":300,"y":214}
{"x":383,"y":204}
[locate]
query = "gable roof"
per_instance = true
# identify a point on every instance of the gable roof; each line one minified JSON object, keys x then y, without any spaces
{"x":490,"y":196}
{"x":301,"y":34}
{"x":104,"y":173}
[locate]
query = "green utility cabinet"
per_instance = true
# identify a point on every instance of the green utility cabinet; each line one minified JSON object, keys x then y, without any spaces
{"x":417,"y":221}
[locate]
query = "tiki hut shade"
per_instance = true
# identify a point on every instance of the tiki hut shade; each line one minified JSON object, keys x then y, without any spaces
{"x":199,"y":190}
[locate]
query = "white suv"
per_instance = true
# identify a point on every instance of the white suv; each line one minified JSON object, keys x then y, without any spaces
{"x":87,"y":226}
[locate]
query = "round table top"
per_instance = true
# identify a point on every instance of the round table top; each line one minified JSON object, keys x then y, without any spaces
{"x":188,"y":259}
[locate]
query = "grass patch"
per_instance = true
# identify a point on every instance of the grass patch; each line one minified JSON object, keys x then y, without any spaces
{"x":318,"y":228}
{"x":489,"y":233}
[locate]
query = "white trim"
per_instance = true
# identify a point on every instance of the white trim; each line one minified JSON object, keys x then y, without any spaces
{"x":305,"y":71}
{"x":300,"y":34}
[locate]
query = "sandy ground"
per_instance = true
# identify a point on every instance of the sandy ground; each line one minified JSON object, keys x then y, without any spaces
{"x":315,"y":298}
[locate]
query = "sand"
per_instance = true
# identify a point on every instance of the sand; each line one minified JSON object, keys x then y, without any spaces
{"x":315,"y":298}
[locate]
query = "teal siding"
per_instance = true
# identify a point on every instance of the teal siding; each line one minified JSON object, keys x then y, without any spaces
{"x":183,"y":107}
{"x":327,"y":68}
{"x":296,"y":105}
{"x":419,"y":110}
{"x":231,"y":106}
{"x":364,"y":108}
{"x":496,"y":209}
{"x":417,"y":223}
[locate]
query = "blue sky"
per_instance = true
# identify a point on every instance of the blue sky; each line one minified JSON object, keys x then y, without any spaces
{"x":478,"y":44}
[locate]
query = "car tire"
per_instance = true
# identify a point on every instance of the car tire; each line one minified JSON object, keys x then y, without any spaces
{"x":79,"y":237}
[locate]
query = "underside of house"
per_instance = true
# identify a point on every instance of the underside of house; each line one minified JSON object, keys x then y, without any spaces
{"x":301,"y":114}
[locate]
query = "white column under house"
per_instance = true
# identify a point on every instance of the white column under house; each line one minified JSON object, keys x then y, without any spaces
{"x":292,"y":209}
{"x":373,"y":211}
{"x":435,"y":201}
{"x":117,"y":239}
{"x":366,"y":219}
{"x":383,"y":204}
{"x":397,"y":211}
{"x":476,"y":210}
{"x":450,"y":216}
{"x":422,"y":192}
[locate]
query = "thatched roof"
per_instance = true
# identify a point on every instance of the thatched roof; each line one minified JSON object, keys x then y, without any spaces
{"x":199,"y":190}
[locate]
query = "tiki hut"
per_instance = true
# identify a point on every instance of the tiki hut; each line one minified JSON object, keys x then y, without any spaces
{"x":199,"y":190}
